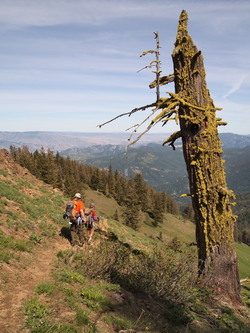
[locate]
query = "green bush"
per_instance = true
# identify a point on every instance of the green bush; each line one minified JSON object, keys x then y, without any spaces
{"x":165,"y":273}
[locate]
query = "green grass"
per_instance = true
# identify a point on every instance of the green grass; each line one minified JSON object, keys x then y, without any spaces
{"x":134,"y":239}
{"x":39,"y":319}
{"x":9,"y":247}
{"x":70,"y":301}
{"x":104,"y":206}
{"x":10,"y":191}
{"x":46,"y":287}
{"x":70,"y":276}
{"x":119,"y":322}
{"x":3,"y":173}
{"x":82,"y":318}
{"x":243,"y":254}
{"x":94,"y":298}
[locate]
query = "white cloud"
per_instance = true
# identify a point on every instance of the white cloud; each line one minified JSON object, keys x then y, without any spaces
{"x":64,"y":56}
{"x":96,"y":12}
{"x":57,"y":12}
{"x":235,"y":86}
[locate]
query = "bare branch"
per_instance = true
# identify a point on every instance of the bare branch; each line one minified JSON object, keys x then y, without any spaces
{"x":139,"y":136}
{"x":158,"y":66}
{"x":142,"y":108}
{"x":149,"y":66}
{"x":139,"y":125}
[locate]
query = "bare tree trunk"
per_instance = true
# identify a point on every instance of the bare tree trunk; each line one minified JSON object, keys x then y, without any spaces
{"x":202,"y":152}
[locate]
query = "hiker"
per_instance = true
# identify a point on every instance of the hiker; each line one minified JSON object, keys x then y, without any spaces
{"x":76,"y":219}
{"x":90,"y":217}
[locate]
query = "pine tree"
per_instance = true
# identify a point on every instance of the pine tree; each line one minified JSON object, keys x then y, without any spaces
{"x":141,"y":190}
{"x":188,"y":212}
{"x":131,"y":216}
{"x":110,"y":182}
{"x":158,"y":210}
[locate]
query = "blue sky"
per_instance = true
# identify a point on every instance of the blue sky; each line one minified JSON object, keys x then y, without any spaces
{"x":71,"y":65}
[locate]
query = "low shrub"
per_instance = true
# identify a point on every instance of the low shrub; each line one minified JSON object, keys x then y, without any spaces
{"x":35,"y":238}
{"x":94,"y":298}
{"x":165,"y":273}
{"x":70,"y":276}
{"x":82,"y":317}
{"x":46,"y":287}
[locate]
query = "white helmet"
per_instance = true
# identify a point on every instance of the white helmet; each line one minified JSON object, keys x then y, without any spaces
{"x":78,"y":195}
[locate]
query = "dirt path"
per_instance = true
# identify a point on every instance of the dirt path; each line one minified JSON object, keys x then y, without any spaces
{"x":18,"y":281}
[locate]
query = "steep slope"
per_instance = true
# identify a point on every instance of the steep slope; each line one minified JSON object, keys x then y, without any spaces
{"x":29,"y":243}
{"x":20,"y":282}
{"x":43,"y":284}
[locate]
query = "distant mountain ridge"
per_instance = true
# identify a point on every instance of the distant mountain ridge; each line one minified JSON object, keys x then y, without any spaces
{"x":59,"y":141}
{"x":162,"y":167}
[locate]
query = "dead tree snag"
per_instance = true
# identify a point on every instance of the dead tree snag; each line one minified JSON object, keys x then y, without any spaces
{"x":193,"y":109}
{"x":202,"y":152}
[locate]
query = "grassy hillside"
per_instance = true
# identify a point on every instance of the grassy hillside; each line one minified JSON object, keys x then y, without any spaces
{"x":173,"y":227}
{"x":48,"y":286}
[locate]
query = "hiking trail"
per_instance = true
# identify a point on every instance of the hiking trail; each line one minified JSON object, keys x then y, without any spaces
{"x":20,"y":280}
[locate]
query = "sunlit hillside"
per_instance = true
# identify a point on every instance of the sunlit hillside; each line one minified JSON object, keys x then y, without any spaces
{"x":120,"y":283}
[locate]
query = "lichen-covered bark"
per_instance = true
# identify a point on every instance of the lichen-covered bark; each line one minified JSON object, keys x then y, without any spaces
{"x":202,"y":152}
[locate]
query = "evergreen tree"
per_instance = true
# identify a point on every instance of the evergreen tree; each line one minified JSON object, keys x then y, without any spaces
{"x":95,"y":179}
{"x":188,"y":212}
{"x":141,"y":190}
{"x":110,"y":182}
{"x":157,"y":212}
{"x":131,"y":216}
{"x":120,"y":185}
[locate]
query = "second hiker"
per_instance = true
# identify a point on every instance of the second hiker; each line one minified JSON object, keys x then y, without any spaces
{"x":90,"y":217}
